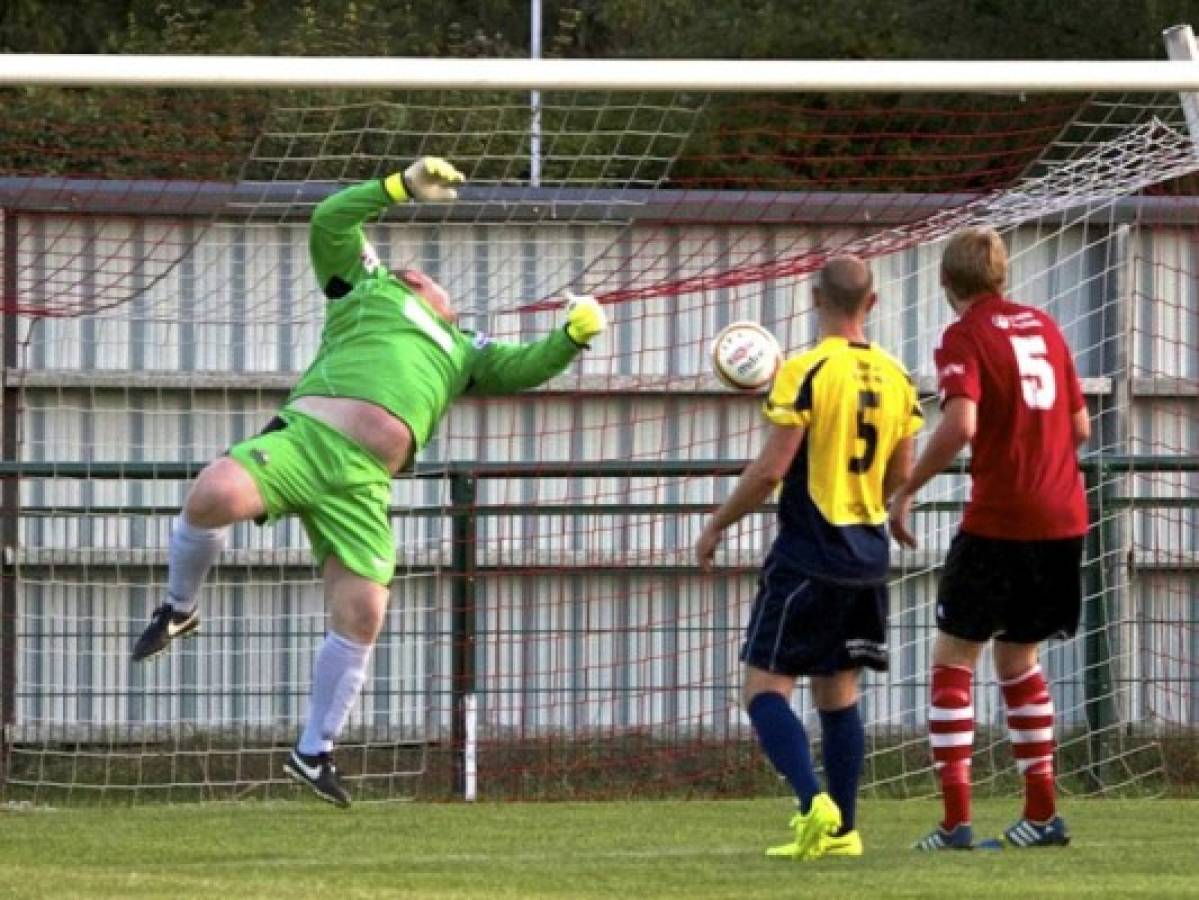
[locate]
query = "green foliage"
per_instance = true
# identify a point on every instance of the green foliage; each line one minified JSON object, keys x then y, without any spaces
{"x":768,"y":29}
{"x":204,"y":134}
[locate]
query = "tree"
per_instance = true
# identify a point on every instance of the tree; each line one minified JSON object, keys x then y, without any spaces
{"x":202,"y":134}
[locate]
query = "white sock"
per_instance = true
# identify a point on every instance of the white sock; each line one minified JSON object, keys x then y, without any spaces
{"x":191,"y":554}
{"x":337,"y":681}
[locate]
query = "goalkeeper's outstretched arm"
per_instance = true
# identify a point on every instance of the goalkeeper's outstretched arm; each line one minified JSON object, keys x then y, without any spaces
{"x":508,"y":368}
{"x":341,"y":255}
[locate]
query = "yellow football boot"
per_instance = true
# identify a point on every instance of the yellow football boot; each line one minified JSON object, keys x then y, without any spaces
{"x":823,"y":819}
{"x":848,"y":844}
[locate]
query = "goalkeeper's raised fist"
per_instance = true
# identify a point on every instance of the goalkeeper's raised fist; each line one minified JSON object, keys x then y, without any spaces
{"x":429,"y":178}
{"x":584,"y":318}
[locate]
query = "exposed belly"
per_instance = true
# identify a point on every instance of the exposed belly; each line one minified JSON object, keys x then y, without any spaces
{"x":377,"y":430}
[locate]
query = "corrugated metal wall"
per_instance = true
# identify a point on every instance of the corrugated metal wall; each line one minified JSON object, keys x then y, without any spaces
{"x":203,"y":356}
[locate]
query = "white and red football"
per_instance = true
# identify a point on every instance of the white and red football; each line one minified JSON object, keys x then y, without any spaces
{"x":745,"y":356}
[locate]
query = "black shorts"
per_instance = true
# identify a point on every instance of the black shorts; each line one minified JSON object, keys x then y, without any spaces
{"x":1019,"y":591}
{"x":804,"y":626}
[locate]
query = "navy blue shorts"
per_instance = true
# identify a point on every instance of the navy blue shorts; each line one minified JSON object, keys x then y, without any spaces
{"x":804,"y":626}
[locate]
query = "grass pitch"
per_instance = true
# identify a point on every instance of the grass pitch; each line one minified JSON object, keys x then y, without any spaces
{"x":692,"y":849}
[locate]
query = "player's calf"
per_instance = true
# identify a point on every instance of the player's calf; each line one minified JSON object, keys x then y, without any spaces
{"x":191,"y":552}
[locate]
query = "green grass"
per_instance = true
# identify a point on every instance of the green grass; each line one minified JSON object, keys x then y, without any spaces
{"x":692,"y":849}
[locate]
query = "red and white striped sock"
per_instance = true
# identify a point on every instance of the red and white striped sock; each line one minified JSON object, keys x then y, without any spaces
{"x":951,"y":733}
{"x":1030,"y":725}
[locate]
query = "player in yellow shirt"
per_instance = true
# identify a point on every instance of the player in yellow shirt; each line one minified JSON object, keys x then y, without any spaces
{"x":842,"y":420}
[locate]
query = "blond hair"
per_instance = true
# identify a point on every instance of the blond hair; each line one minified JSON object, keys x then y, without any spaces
{"x":974,"y":262}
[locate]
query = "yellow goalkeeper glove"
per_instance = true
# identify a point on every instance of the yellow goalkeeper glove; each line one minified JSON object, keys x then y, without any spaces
{"x":429,"y":178}
{"x":584,"y":318}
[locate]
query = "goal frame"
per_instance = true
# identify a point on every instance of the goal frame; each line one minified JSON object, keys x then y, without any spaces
{"x":1180,"y":74}
{"x":709,"y":75}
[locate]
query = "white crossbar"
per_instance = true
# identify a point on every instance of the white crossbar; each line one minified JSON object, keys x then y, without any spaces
{"x":94,"y":70}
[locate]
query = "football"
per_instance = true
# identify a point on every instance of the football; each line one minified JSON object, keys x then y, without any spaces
{"x":745,"y":356}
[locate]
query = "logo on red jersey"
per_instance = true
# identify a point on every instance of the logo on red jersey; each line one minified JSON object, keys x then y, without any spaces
{"x":1019,"y":320}
{"x":948,"y":371}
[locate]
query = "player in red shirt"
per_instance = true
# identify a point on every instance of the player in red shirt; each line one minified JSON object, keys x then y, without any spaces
{"x":1013,"y":572}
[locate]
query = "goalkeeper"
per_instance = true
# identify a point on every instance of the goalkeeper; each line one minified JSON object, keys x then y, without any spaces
{"x":391,"y":361}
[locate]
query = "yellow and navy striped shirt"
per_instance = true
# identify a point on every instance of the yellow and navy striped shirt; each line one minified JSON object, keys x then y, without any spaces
{"x":856,"y":403}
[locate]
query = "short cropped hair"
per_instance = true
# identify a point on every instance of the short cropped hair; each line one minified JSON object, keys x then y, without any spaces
{"x":846,"y":283}
{"x":974,"y":262}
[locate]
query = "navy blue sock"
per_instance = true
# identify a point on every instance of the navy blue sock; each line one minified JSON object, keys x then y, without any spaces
{"x":843,"y":745}
{"x":785,"y":744}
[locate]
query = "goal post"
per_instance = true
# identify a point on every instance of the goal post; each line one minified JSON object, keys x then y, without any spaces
{"x":707,"y":75}
{"x":548,"y":634}
{"x":1181,"y":46}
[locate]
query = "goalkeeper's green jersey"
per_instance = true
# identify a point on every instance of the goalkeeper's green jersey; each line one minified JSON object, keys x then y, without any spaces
{"x":383,"y":344}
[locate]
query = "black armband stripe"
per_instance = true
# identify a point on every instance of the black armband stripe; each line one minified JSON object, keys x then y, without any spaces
{"x":566,"y":331}
{"x":337,"y":288}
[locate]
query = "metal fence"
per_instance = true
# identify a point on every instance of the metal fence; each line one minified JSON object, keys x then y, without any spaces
{"x":537,"y":574}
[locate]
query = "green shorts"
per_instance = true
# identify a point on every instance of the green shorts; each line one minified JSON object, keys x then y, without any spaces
{"x":340,"y":491}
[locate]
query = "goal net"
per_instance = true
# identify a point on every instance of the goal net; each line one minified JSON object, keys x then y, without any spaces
{"x":548,"y":633}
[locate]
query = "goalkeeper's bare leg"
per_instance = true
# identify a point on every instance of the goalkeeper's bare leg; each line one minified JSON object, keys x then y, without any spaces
{"x":356,"y":610}
{"x":223,"y":494}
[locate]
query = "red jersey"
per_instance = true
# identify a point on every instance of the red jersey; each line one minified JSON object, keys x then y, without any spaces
{"x":1014,"y":363}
